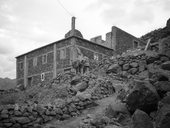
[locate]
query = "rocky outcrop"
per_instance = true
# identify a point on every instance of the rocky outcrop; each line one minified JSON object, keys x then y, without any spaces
{"x":143,"y":96}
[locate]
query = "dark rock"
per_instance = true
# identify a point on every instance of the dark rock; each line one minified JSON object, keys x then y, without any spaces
{"x":141,"y":120}
{"x":17,"y":113}
{"x":39,"y":120}
{"x":114,"y":68}
{"x":81,"y":86}
{"x":165,"y":100}
{"x":4,"y":116}
{"x":126,"y":67}
{"x":65,"y":116}
{"x":134,"y":64}
{"x":163,"y":117}
{"x":151,"y":59}
{"x":58,"y":111}
{"x":46,"y":118}
{"x":16,"y":125}
{"x":142,"y":66}
{"x":4,"y":111}
{"x":143,"y":96}
{"x":40,"y":109}
{"x":133,"y":71}
{"x":7,"y":124}
{"x":22,"y":120}
{"x":75,"y":80}
{"x":166,"y":66}
{"x":164,"y":58}
{"x":50,"y":113}
{"x":121,"y":62}
{"x":162,"y":87}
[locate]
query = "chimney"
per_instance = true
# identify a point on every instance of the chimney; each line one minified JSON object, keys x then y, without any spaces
{"x":73,"y":23}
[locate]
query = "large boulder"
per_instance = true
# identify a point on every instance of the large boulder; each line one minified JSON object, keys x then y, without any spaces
{"x":166,"y":65}
{"x":75,"y":80}
{"x":141,"y":120}
{"x":162,"y":87}
{"x":163,"y":117}
{"x":142,"y":96}
{"x":81,"y":86}
{"x":114,"y":68}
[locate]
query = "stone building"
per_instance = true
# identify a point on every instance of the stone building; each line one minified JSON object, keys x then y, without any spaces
{"x":43,"y":64}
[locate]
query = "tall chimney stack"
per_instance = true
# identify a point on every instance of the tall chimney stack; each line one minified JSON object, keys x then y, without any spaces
{"x":73,"y":23}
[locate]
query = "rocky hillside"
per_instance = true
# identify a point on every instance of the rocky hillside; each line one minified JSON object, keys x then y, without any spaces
{"x":158,"y":34}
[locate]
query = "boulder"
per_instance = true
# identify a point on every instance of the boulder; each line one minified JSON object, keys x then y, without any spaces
{"x":75,"y":80}
{"x":152,"y":58}
{"x":114,"y":68}
{"x":164,"y":58}
{"x":163,"y":117}
{"x":81,"y":86}
{"x":165,"y":100}
{"x":142,"y":65}
{"x":133,"y":71}
{"x":126,"y":67}
{"x":162,"y":87}
{"x":142,"y":96}
{"x":141,"y":120}
{"x":134,"y":64}
{"x":166,"y":66}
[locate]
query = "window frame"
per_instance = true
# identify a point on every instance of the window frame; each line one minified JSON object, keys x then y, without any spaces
{"x":63,"y":53}
{"x":42,"y":76}
{"x":35,"y":61}
{"x":96,"y":56}
{"x":21,"y":65}
{"x":134,"y":44}
{"x":44,"y":61}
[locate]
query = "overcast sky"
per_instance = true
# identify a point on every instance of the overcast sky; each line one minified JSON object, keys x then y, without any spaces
{"x":29,"y":24}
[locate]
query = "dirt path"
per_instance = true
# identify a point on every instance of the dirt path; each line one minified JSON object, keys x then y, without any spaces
{"x":74,"y":122}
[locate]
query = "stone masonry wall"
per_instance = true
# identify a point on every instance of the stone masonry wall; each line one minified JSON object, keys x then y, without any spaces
{"x":19,"y":71}
{"x":124,"y":41}
{"x":92,"y":46}
{"x":34,"y":116}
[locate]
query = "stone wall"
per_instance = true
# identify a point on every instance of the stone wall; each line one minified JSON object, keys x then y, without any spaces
{"x":40,"y":67}
{"x":92,"y":46}
{"x":125,"y":41}
{"x":34,"y":116}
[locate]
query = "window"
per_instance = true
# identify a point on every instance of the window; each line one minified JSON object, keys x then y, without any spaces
{"x":135,"y":44}
{"x":96,"y":56}
{"x":44,"y":59}
{"x":35,"y":61}
{"x":21,"y":65}
{"x":63,"y":53}
{"x":42,"y":76}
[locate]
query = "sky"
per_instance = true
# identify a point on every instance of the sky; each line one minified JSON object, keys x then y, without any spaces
{"x":29,"y":24}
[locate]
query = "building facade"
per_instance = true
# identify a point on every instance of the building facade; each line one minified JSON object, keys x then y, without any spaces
{"x":43,"y":64}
